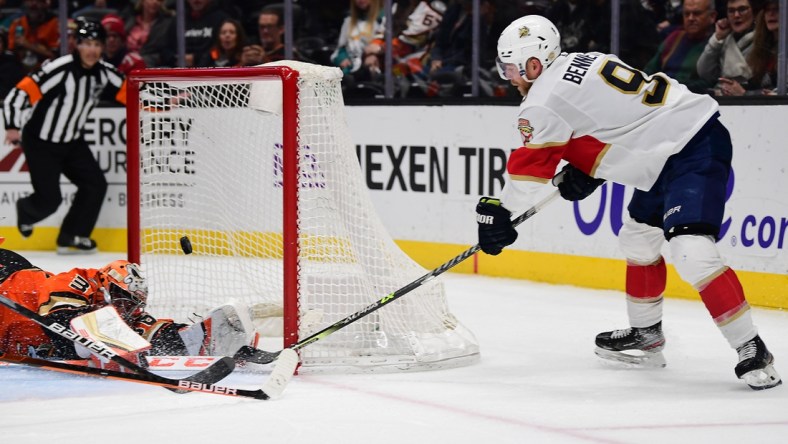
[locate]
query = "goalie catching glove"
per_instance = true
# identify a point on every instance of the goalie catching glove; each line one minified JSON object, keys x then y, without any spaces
{"x":495,"y":225}
{"x":574,"y":184}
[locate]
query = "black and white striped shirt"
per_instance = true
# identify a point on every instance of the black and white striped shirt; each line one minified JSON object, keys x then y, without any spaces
{"x":61,"y":94}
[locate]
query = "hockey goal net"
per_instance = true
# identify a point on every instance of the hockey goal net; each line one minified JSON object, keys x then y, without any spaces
{"x":257,"y":168}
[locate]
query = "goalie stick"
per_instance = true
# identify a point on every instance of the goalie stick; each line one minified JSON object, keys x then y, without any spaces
{"x":280,"y":375}
{"x":257,"y":356}
{"x":210,"y":375}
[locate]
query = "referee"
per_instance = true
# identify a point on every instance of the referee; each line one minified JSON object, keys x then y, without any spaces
{"x":58,"y":99}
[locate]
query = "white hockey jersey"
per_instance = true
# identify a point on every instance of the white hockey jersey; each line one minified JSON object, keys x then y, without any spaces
{"x":607,"y":119}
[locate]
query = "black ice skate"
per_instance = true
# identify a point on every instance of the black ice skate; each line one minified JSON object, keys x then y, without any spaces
{"x":755,"y":365}
{"x":635,"y":347}
{"x":75,"y":245}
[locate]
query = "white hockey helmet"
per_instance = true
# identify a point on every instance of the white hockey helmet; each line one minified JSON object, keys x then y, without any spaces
{"x":526,"y":37}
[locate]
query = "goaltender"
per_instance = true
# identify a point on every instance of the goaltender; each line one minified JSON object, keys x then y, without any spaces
{"x":64,"y":297}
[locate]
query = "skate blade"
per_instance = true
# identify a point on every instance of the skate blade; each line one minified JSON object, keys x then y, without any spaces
{"x":763,"y":378}
{"x":633,"y":358}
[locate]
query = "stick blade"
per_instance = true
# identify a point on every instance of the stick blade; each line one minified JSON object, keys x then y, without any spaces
{"x":211,"y":375}
{"x":282,"y":373}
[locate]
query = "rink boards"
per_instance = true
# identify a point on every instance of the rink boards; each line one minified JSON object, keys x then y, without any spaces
{"x":426,"y":167}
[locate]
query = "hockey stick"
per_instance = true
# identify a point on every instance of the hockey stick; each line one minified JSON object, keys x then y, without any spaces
{"x":257,"y":356}
{"x":270,"y":390}
{"x":210,"y":375}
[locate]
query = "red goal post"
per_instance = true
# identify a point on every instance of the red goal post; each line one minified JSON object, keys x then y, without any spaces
{"x":289,"y":81}
{"x":256,"y":166}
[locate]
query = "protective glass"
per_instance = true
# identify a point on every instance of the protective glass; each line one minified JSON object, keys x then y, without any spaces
{"x":507,"y":71}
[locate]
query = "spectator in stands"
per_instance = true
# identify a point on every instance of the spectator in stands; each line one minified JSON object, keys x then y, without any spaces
{"x":324,"y":19}
{"x":762,"y":58}
{"x":677,"y":56}
{"x":415,"y":38}
{"x":353,"y":54}
{"x":725,"y":54}
{"x":35,"y":36}
{"x":270,"y":46}
{"x":95,"y":9}
{"x":203,"y":18}
{"x":228,"y":46}
{"x":11,"y":69}
{"x":9,"y":11}
{"x":454,"y":44}
{"x":584,"y":24}
{"x":666,"y":15}
{"x":115,"y":51}
{"x":147,"y":32}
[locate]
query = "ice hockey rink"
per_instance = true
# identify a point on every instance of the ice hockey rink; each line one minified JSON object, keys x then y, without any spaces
{"x":538,"y":381}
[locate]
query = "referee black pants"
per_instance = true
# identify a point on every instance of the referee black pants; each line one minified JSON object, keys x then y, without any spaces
{"x":46,"y":161}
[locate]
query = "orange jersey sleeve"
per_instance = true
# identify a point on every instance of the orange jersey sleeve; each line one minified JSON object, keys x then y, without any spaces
{"x":44,"y":293}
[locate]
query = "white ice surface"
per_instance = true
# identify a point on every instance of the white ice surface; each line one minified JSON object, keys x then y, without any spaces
{"x":538,"y":382}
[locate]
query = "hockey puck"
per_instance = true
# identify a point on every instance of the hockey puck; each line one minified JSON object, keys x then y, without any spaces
{"x":186,"y":245}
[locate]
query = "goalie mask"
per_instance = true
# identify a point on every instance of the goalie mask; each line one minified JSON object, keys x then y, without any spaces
{"x":124,"y":288}
{"x":526,"y":37}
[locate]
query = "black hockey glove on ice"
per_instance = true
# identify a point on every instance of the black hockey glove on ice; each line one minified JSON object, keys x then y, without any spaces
{"x":575,"y":184}
{"x":495,"y":225}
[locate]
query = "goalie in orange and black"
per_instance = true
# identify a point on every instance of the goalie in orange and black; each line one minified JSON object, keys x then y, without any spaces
{"x":64,"y":296}
{"x":58,"y":99}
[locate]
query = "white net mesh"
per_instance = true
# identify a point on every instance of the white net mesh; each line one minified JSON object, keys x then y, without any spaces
{"x":212,"y":170}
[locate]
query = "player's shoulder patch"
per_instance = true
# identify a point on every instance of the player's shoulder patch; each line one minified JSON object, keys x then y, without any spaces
{"x":526,"y":130}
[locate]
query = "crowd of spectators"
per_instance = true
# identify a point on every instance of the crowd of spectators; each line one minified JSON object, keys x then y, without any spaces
{"x":722,"y":47}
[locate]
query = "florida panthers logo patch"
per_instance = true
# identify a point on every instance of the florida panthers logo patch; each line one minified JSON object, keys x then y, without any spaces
{"x":526,"y":130}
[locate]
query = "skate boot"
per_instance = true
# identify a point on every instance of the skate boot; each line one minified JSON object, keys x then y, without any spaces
{"x":75,"y":245}
{"x":634,"y":347}
{"x":755,"y":365}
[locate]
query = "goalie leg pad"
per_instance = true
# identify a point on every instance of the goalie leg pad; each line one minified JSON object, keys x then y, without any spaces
{"x":227,"y":329}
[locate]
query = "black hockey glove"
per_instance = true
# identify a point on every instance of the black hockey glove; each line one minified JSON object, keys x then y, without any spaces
{"x":495,"y":225}
{"x":574,"y":184}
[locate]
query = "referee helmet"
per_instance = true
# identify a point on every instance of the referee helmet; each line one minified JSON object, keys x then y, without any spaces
{"x":90,"y":31}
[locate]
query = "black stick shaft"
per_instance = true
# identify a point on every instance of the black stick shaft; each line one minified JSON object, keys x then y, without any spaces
{"x":178,"y":385}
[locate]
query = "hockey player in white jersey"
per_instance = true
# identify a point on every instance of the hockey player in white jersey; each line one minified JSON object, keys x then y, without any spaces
{"x":612,"y":122}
